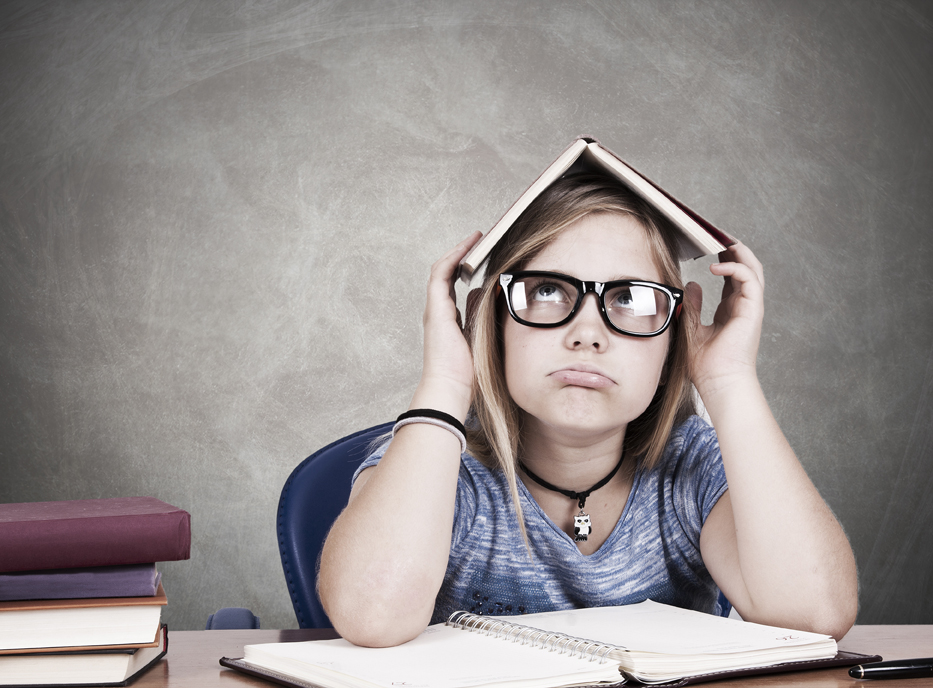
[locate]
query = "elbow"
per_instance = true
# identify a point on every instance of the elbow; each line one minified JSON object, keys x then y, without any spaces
{"x":833,"y":601}
{"x":368,"y":622}
{"x":836,"y":619}
{"x":366,"y":612}
{"x":834,"y":614}
{"x":370,"y":631}
{"x":835,"y":624}
{"x":829,"y":608}
{"x":841,"y":608}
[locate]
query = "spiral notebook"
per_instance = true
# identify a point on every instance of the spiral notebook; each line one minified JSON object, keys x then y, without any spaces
{"x":649,"y":642}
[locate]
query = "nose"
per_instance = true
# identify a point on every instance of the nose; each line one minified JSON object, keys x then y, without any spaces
{"x":587,"y":329}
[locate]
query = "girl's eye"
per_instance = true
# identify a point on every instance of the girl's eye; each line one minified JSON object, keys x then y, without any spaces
{"x":548,"y":292}
{"x":623,"y":299}
{"x":636,"y":300}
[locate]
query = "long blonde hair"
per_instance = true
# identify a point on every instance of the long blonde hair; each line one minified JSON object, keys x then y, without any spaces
{"x":494,"y":436}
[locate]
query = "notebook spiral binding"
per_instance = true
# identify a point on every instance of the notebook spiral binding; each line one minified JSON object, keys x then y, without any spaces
{"x":545,"y":640}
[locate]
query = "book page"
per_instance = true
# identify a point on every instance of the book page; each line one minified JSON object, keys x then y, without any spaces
{"x":441,"y":657}
{"x":654,"y":627}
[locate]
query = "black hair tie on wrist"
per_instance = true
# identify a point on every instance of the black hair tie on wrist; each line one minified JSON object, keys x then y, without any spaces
{"x":436,"y":415}
{"x":433,"y":417}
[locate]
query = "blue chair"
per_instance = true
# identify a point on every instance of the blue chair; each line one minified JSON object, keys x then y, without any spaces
{"x":312,"y":498}
{"x":231,"y":618}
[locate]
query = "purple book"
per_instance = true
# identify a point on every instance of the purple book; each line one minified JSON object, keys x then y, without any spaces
{"x":135,"y":580}
{"x":36,"y":536}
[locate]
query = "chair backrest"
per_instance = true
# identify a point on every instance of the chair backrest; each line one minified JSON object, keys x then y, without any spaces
{"x":313,"y":496}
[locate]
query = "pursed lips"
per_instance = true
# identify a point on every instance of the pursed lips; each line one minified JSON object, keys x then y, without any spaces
{"x":583,"y":376}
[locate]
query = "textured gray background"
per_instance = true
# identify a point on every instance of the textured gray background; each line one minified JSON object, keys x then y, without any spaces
{"x":217,"y":218}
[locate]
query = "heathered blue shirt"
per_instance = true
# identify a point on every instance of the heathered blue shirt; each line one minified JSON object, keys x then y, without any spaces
{"x":652,"y":553}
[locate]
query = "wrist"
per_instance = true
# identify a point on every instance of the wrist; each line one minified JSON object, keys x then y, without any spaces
{"x":443,"y":395}
{"x":727,"y":388}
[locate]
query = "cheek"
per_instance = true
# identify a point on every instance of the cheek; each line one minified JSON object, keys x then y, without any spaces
{"x":644,"y":364}
{"x":522,"y":353}
{"x":514,"y":356}
{"x":656,"y":361}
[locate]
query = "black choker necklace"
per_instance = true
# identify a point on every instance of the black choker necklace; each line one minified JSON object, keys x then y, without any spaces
{"x":581,"y":522}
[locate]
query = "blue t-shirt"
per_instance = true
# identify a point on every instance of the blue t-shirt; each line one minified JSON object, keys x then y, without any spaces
{"x":652,"y":553}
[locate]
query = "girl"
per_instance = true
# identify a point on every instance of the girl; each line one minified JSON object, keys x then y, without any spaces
{"x":587,"y":480}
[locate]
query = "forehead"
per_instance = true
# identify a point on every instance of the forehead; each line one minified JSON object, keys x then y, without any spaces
{"x":600,"y":247}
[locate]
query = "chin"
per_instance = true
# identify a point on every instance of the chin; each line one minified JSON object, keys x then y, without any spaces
{"x":582,"y":423}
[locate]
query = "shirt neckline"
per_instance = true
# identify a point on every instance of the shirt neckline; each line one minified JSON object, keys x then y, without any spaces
{"x":528,"y":501}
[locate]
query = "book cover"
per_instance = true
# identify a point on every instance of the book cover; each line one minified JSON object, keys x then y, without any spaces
{"x":35,"y":536}
{"x":698,"y":237}
{"x":83,"y":667}
{"x":80,"y":622}
{"x":134,"y":580}
{"x":86,"y":648}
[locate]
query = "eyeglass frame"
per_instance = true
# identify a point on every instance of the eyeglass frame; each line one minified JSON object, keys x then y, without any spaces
{"x":675,"y":299}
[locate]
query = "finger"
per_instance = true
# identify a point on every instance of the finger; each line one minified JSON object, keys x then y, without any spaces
{"x":452,"y":258}
{"x":740,"y":253}
{"x":694,"y":298}
{"x":443,"y":275}
{"x":739,"y":277}
{"x":694,"y":293}
{"x":444,"y":270}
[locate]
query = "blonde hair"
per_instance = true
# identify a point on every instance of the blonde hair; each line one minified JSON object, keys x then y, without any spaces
{"x":495,"y":435}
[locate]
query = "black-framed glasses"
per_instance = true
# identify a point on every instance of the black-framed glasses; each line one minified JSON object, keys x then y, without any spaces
{"x":549,"y":299}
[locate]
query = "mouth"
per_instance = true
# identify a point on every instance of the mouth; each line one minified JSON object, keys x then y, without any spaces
{"x":583,"y":376}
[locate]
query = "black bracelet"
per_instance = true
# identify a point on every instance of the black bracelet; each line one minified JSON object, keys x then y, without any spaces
{"x":433,"y":417}
{"x":436,"y":415}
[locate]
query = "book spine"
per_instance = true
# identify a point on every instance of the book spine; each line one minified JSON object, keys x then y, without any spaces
{"x":135,"y":580}
{"x":528,"y":635}
{"x":103,"y":541}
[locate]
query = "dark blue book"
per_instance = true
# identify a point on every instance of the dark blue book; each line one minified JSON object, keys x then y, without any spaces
{"x":136,"y":580}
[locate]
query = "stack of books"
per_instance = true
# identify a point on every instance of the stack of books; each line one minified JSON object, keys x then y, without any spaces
{"x":80,"y":597}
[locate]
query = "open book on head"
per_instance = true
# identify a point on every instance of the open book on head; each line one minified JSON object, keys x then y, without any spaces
{"x":649,"y":642}
{"x":697,"y":236}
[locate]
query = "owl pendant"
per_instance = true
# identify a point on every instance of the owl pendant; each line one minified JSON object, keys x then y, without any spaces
{"x":581,"y":526}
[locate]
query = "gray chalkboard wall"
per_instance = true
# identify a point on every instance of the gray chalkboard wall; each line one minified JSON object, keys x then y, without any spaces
{"x":217,"y":218}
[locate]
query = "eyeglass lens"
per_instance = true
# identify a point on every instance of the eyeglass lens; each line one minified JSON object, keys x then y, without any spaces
{"x":547,"y":300}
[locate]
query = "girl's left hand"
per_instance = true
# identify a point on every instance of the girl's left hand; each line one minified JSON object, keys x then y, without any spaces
{"x":728,"y":348}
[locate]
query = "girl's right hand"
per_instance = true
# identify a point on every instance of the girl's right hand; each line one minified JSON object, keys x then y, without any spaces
{"x":447,"y":372}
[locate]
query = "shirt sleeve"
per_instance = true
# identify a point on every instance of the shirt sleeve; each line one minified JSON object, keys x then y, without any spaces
{"x":699,"y":477}
{"x":711,"y":474}
{"x":370,"y":460}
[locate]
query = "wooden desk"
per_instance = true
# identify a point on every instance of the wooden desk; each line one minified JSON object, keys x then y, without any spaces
{"x":192,"y":657}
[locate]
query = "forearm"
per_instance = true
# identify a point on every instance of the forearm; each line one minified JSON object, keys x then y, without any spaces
{"x":794,"y":560}
{"x":385,"y":557}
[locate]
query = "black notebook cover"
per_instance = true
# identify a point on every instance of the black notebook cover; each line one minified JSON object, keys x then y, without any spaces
{"x":842,"y":659}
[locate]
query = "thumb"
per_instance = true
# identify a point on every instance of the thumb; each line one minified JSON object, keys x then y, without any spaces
{"x":694,"y":295}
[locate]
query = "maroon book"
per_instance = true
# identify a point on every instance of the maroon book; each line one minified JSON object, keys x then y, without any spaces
{"x":92,"y":532}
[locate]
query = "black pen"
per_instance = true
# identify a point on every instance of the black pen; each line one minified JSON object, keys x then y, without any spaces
{"x":898,"y":668}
